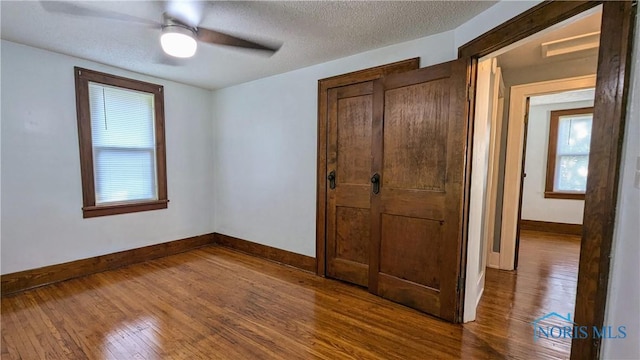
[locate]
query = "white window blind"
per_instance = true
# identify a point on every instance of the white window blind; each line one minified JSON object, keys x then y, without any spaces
{"x":572,"y":162}
{"x":123,"y":138}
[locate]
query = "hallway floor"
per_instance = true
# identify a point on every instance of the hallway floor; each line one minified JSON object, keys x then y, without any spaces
{"x":546,"y":282}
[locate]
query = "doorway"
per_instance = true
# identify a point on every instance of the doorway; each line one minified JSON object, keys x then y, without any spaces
{"x":609,"y":114}
{"x":555,"y":165}
{"x":510,"y":83}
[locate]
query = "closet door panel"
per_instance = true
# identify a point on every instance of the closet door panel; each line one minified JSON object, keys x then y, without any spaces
{"x":349,"y":159}
{"x":420,"y":128}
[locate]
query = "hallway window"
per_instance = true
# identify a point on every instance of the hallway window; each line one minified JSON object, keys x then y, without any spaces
{"x":568,"y":154}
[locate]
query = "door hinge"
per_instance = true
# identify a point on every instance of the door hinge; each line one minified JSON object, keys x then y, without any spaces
{"x":460,"y":285}
{"x":470,"y":93}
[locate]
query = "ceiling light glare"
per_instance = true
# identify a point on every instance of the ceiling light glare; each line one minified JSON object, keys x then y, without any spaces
{"x":178,"y":41}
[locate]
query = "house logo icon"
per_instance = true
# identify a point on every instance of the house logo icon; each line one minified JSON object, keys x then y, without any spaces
{"x":553,"y":325}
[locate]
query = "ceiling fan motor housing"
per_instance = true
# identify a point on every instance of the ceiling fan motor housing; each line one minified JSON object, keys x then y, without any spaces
{"x":178,"y":39}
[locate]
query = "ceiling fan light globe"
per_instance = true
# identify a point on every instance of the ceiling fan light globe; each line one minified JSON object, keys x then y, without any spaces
{"x":178,"y":42}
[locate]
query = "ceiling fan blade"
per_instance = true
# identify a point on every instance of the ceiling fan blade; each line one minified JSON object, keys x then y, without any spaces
{"x":69,"y":8}
{"x":218,"y":38}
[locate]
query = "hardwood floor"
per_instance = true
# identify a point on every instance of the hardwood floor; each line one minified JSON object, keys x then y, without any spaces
{"x":545,"y":282}
{"x":214,"y":303}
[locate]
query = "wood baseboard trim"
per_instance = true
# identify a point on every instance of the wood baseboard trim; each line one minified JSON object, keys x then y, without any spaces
{"x":303,"y":262}
{"x":28,"y":279}
{"x":553,"y":227}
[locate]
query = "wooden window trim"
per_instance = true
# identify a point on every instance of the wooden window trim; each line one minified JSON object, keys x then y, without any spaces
{"x":549,"y":191}
{"x":89,"y":208}
{"x":564,"y":195}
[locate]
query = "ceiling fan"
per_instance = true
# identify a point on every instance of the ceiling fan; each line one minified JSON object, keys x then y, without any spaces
{"x":180,"y":26}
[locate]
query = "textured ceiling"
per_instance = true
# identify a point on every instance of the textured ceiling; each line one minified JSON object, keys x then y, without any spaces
{"x":312,"y":32}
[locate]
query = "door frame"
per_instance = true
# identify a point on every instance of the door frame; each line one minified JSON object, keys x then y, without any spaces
{"x":479,"y":214}
{"x":324,"y":85}
{"x":497,"y":130}
{"x":516,"y":147}
{"x":606,"y":143}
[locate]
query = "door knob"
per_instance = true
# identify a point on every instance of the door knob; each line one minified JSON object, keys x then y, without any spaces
{"x":375,"y":180}
{"x":332,"y":179}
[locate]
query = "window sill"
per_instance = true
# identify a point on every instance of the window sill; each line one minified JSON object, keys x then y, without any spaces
{"x":564,"y":195}
{"x":115,"y":209}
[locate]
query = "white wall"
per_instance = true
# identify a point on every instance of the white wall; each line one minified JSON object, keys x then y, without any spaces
{"x":490,"y":18}
{"x":534,"y":204}
{"x":623,"y":302}
{"x":42,"y":220}
{"x":266,"y":146}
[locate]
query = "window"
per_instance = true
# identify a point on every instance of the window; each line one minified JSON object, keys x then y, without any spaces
{"x":122,"y":149}
{"x":568,"y":155}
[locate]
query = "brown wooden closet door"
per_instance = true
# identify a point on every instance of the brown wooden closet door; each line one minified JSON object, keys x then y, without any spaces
{"x":419,"y":137}
{"x":348,"y":204}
